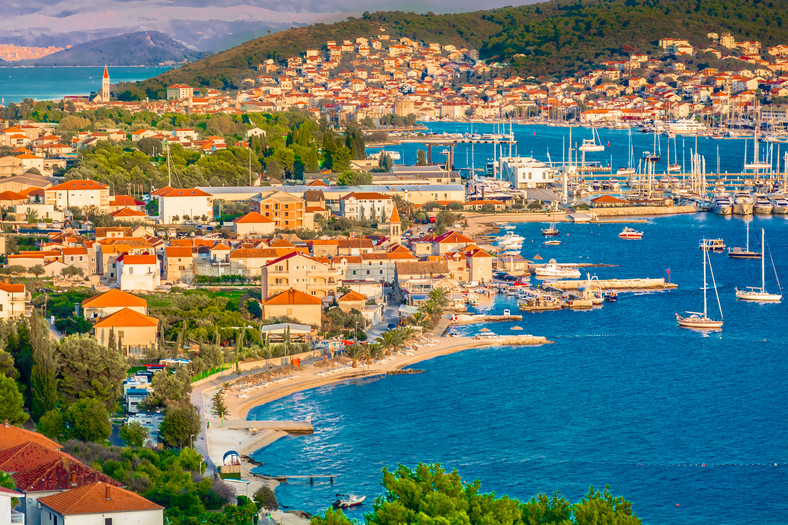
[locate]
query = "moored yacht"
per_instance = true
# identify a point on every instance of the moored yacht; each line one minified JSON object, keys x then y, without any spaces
{"x":762,"y":205}
{"x":721,"y":204}
{"x":779,"y":204}
{"x":742,"y":203}
{"x":553,"y":270}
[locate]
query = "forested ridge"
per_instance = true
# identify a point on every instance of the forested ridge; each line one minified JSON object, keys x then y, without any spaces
{"x":549,"y":38}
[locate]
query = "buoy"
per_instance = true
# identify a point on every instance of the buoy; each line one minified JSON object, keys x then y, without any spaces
{"x":677,"y":504}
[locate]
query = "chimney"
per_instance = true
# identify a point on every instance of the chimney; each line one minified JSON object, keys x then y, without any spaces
{"x":73,"y":479}
{"x":107,"y":496}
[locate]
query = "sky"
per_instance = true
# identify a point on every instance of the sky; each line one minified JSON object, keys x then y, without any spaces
{"x":201,"y":24}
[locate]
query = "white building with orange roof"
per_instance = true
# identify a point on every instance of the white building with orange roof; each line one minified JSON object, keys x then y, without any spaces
{"x":130,"y":215}
{"x":13,"y":299}
{"x":118,"y":202}
{"x":138,"y":272}
{"x":366,"y":205}
{"x":79,"y":194}
{"x":181,"y":205}
{"x":253,"y":224}
{"x":136,"y":332}
{"x":180,"y":92}
{"x":302,"y":307}
{"x":110,"y":302}
{"x":99,"y":503}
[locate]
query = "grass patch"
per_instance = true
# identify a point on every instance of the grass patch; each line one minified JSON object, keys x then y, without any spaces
{"x":165,"y":300}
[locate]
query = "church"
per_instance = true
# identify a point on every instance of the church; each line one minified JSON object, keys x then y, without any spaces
{"x":103,"y":95}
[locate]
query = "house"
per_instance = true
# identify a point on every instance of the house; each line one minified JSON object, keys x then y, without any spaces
{"x":372,"y":313}
{"x":480,"y":265}
{"x":180,"y":92}
{"x":134,"y":332}
{"x":78,"y":258}
{"x":7,"y":513}
{"x":13,"y":298}
{"x":253,"y":224}
{"x":138,"y":272}
{"x":99,"y":504}
{"x":299,"y":272}
{"x":11,"y":436}
{"x":366,"y":206}
{"x":78,"y":194}
{"x":300,"y":306}
{"x":287,"y":211}
{"x":180,"y":205}
{"x":178,"y":264}
{"x":110,"y":302}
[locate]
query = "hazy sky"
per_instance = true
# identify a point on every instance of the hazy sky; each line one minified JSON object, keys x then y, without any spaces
{"x":193,"y":21}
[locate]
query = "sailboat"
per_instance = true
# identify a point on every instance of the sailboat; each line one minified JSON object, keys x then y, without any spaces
{"x":699,"y":320}
{"x":744,"y":253}
{"x":592,"y":144}
{"x":760,"y":294}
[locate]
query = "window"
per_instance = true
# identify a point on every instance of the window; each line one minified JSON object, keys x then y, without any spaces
{"x":107,"y":521}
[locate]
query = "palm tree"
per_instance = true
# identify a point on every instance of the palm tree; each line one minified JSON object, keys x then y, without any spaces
{"x":355,"y":352}
{"x":386,"y":340}
{"x":430,"y":308}
{"x":440,"y":296}
{"x":420,"y":319}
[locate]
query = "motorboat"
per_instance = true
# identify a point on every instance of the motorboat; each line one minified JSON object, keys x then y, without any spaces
{"x":346,"y":501}
{"x":759,"y":294}
{"x":742,"y":203}
{"x":779,"y":205}
{"x":721,"y":204}
{"x":762,"y":205}
{"x":712,"y":245}
{"x":698,"y":320}
{"x":630,"y":233}
{"x":510,"y":241}
{"x":552,"y":242}
{"x":554,"y":270}
{"x":551,"y":231}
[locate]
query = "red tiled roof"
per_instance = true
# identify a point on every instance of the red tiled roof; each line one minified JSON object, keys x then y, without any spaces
{"x":125,"y":200}
{"x":353,"y":296}
{"x":61,"y":474}
{"x":27,"y":455}
{"x":192,"y":192}
{"x":11,"y":288}
{"x":178,"y":251}
{"x":253,"y":218}
{"x":97,"y":498}
{"x":128,"y":212}
{"x":292,"y":296}
{"x":138,"y":259}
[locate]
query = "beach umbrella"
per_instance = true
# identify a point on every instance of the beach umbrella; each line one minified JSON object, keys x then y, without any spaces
{"x":517,"y":328}
{"x":537,"y":257}
{"x":485,"y":330}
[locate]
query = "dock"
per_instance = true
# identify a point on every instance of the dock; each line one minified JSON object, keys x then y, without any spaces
{"x":614,"y":284}
{"x":300,"y":477}
{"x":291,"y":427}
{"x":473,"y":319}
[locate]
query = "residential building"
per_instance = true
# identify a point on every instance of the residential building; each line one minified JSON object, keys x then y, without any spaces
{"x":135,"y":332}
{"x":366,"y":206}
{"x":287,"y":211}
{"x":78,"y":194}
{"x":180,"y":92}
{"x":99,"y":504}
{"x":110,"y":302}
{"x":138,"y":272}
{"x":253,"y":224}
{"x":302,"y":307}
{"x":178,"y":264}
{"x":7,"y":513}
{"x":181,"y":205}
{"x":299,"y":272}
{"x":13,"y":299}
{"x":526,"y":172}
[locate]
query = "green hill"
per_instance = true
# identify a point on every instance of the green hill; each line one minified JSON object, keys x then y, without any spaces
{"x":550,"y":38}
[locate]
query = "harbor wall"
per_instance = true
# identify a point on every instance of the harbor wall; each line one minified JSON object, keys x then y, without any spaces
{"x":630,"y":211}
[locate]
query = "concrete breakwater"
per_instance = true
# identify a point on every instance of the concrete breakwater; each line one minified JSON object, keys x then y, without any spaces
{"x":473,"y":319}
{"x":614,"y":284}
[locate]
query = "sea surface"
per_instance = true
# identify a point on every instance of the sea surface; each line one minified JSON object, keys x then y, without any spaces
{"x":53,"y":83}
{"x":689,"y":426}
{"x":551,"y":144}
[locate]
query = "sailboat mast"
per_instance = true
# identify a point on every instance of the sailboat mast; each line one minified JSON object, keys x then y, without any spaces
{"x":763,"y":261}
{"x":705,"y":315}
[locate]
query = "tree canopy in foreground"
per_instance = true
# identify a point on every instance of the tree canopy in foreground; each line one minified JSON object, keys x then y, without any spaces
{"x":429,"y":495}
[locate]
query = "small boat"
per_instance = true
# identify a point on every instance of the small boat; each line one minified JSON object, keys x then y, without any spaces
{"x":552,"y":270}
{"x":698,"y":320}
{"x":611,"y":297}
{"x":712,"y":245}
{"x":756,"y":294}
{"x":738,"y":252}
{"x":552,"y":242}
{"x":345,"y":501}
{"x":630,"y":233}
{"x":551,"y":231}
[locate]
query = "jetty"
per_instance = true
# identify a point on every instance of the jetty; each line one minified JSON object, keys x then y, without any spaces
{"x":299,"y":477}
{"x":614,"y":284}
{"x":473,"y":319}
{"x":291,"y":427}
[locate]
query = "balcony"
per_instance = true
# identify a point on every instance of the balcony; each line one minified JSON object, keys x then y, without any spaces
{"x":17,"y":517}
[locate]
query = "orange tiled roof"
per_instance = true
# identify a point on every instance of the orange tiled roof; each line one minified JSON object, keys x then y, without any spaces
{"x":352,"y":295}
{"x":113,"y":298}
{"x":97,"y":498}
{"x":292,"y":296}
{"x":128,"y":212}
{"x":78,"y":185}
{"x":127,"y":317}
{"x":11,"y":196}
{"x":192,"y":192}
{"x":27,"y":455}
{"x":178,"y":251}
{"x":138,"y":259}
{"x":61,"y":474}
{"x":11,"y":436}
{"x":253,"y":218}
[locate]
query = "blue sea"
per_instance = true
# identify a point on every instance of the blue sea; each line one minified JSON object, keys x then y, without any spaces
{"x":53,"y":83}
{"x":690,"y":427}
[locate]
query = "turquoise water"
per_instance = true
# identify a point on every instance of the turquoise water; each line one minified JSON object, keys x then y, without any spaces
{"x":551,"y":143}
{"x":623,"y":397}
{"x":53,"y":83}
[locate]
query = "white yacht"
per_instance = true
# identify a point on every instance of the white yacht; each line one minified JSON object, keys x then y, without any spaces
{"x":762,"y":205}
{"x":553,"y":270}
{"x":742,"y":203}
{"x":779,"y":204}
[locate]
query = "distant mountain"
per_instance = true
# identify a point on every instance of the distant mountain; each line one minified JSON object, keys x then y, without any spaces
{"x":143,"y":48}
{"x":549,"y":38}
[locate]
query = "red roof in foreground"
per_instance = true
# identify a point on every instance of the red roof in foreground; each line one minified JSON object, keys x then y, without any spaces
{"x":27,"y":455}
{"x":97,"y":498}
{"x":11,"y":436}
{"x":61,"y":474}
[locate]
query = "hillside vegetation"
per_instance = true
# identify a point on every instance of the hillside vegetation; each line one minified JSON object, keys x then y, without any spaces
{"x":549,"y":38}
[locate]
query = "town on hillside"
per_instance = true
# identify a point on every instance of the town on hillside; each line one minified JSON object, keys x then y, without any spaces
{"x":169,"y":263}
